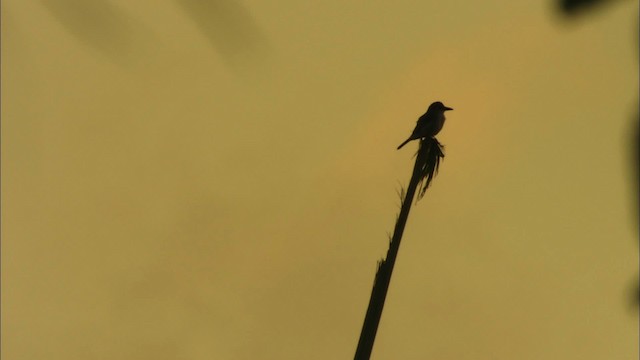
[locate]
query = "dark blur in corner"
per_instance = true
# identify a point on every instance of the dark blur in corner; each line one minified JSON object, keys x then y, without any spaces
{"x":573,"y":8}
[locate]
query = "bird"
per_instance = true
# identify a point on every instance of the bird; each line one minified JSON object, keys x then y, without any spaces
{"x":429,"y":124}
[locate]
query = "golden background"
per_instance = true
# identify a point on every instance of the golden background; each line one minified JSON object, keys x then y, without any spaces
{"x":215,"y":180}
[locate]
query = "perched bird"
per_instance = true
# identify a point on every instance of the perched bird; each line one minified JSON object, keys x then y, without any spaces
{"x":429,"y":124}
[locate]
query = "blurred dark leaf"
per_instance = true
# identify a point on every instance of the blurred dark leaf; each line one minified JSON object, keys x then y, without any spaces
{"x":572,"y":7}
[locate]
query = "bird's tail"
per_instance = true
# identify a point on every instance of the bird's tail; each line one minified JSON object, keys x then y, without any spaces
{"x":404,"y":143}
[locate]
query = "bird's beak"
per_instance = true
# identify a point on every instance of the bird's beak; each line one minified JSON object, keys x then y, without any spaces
{"x":447,"y":108}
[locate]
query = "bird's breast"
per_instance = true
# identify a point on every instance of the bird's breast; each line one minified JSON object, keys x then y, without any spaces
{"x":438,"y":124}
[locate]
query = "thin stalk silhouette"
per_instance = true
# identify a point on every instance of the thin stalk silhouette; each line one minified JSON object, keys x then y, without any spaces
{"x":428,"y":160}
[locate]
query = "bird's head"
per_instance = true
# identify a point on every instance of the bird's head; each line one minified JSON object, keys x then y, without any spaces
{"x":438,"y":106}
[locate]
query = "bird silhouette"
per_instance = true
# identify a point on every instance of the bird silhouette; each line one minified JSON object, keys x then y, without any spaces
{"x":429,"y":124}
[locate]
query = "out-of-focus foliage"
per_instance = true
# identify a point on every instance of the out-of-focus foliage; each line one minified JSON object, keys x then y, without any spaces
{"x":572,"y":7}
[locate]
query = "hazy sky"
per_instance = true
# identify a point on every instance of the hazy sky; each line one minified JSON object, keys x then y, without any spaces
{"x":216,"y":180}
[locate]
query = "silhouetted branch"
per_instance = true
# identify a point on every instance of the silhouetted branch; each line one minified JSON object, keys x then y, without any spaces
{"x":426,"y":166}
